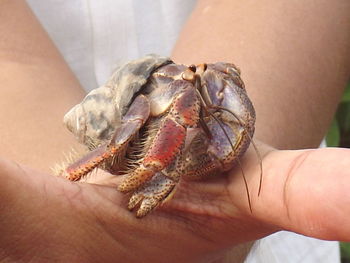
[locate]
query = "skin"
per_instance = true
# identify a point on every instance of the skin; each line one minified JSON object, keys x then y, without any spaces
{"x":293,"y":55}
{"x":32,"y":70}
{"x":45,"y":218}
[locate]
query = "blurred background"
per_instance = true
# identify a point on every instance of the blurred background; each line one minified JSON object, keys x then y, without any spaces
{"x":339,"y":136}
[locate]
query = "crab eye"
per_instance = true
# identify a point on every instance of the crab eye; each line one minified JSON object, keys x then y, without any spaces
{"x":192,"y":68}
{"x":201,"y":68}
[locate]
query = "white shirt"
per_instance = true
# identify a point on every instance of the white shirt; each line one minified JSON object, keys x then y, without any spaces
{"x":94,"y":36}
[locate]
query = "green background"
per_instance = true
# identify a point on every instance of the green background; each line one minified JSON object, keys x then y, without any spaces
{"x":339,"y":136}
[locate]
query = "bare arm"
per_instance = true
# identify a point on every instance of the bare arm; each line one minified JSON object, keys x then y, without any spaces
{"x":204,"y":218}
{"x":37,"y":88}
{"x":294,"y":57}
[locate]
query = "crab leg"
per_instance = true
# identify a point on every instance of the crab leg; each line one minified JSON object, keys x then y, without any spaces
{"x":133,"y":120}
{"x":83,"y":166}
{"x":151,"y":194}
{"x":170,"y":138}
{"x":203,"y":157}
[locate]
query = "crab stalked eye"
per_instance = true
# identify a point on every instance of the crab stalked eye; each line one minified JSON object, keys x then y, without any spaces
{"x":192,"y":68}
{"x":201,"y":68}
{"x":205,"y":66}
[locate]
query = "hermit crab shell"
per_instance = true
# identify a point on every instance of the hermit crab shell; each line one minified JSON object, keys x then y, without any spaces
{"x":94,"y":120}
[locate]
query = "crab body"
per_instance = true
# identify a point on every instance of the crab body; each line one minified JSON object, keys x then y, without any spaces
{"x":158,"y":122}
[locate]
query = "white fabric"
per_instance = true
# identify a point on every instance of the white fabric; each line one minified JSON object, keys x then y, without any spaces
{"x":288,"y":247}
{"x":95,"y":36}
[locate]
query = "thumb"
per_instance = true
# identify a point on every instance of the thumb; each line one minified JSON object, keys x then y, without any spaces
{"x":306,"y":191}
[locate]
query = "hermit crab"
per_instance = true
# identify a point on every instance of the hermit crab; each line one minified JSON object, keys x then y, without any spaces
{"x":157,"y":122}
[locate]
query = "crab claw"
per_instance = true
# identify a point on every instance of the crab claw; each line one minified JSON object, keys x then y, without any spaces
{"x":155,"y":192}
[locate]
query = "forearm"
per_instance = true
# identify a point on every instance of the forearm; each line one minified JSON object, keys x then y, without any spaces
{"x":37,"y":88}
{"x":294,"y":58}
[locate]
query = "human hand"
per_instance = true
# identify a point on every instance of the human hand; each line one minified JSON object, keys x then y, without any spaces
{"x":48,"y":218}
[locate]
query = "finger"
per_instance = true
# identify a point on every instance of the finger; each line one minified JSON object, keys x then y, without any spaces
{"x":306,"y":191}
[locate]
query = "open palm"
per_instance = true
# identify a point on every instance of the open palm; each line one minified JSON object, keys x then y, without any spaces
{"x":48,"y":217}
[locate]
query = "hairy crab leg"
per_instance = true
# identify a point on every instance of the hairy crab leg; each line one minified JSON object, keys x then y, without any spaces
{"x":183,"y":113}
{"x":158,"y":190}
{"x":86,"y":164}
{"x":203,"y":157}
{"x":151,"y":194}
{"x":133,"y":120}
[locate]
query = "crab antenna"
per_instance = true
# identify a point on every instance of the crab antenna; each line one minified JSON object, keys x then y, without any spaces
{"x":246,"y":184}
{"x":238,"y":161}
{"x":228,"y":138}
{"x":251,"y":140}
